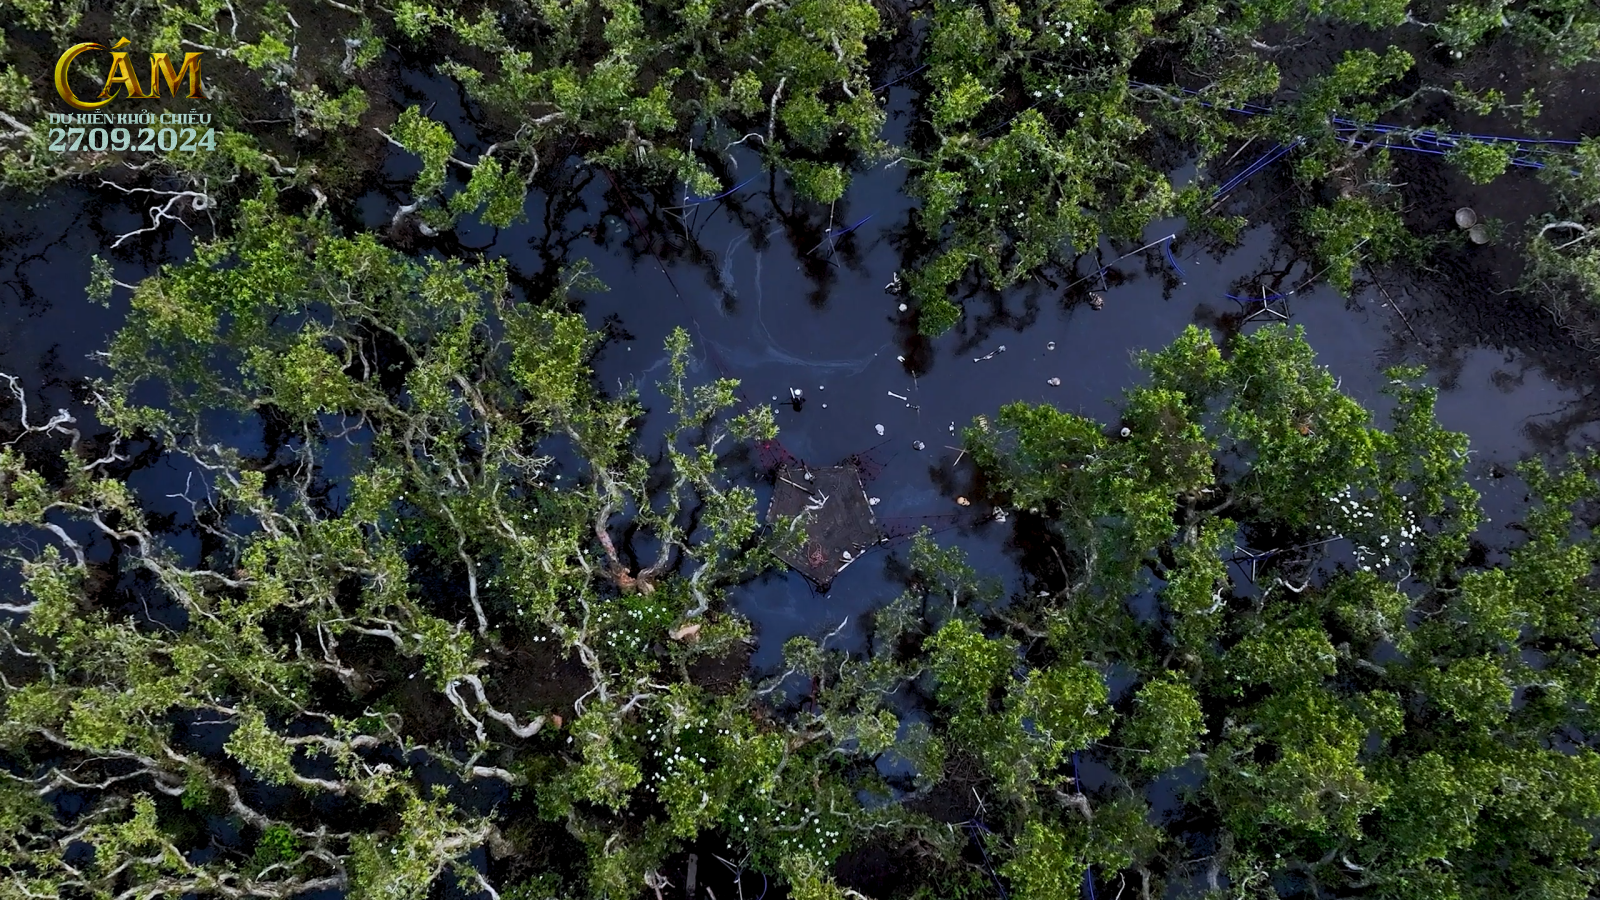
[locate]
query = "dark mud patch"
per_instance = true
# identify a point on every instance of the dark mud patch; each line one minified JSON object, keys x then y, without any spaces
{"x":532,"y":677}
{"x":879,"y":869}
{"x":398,"y":685}
{"x":722,"y":674}
{"x":957,"y":797}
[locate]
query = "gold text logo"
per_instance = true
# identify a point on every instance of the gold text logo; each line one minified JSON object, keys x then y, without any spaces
{"x":122,"y":74}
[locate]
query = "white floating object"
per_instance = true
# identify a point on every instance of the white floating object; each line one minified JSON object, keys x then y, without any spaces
{"x":796,"y":393}
{"x":1054,"y":382}
{"x":879,"y":428}
{"x":846,"y":554}
{"x":918,"y":445}
{"x":873,"y":501}
{"x":1050,"y":346}
{"x":1126,"y":431}
{"x":824,"y":406}
{"x":902,"y":307}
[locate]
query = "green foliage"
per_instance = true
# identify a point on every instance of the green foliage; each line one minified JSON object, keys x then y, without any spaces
{"x":1354,"y":231}
{"x":1048,"y":863}
{"x":1481,"y":161}
{"x":1372,"y":714}
{"x":1166,"y":724}
{"x":1564,"y":253}
{"x":937,"y":316}
{"x":428,"y":140}
{"x":276,"y":845}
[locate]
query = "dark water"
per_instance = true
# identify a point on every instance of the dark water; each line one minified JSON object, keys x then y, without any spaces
{"x":767,"y":305}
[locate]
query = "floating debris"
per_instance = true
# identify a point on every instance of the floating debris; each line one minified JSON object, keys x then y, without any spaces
{"x":1096,"y":300}
{"x":1466,"y":217}
{"x":894,"y":286}
{"x":874,"y":501}
{"x":878,"y":428}
{"x":952,"y":428}
{"x":918,"y":445}
{"x":991,"y":355}
{"x":1126,"y":431}
{"x":1050,"y":346}
{"x":846,"y":555}
{"x":897,"y":396}
{"x":796,"y":393}
{"x":824,"y":406}
{"x":962,"y":501}
{"x":999,"y":515}
{"x":1054,"y":382}
{"x":902,"y":307}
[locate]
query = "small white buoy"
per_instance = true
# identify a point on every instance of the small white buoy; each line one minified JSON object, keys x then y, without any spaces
{"x":1054,"y":382}
{"x":796,"y":393}
{"x":879,"y":428}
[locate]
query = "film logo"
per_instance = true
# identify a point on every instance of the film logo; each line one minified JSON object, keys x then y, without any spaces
{"x":121,"y":74}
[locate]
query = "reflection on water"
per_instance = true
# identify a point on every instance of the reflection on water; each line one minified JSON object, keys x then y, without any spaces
{"x":784,"y":297}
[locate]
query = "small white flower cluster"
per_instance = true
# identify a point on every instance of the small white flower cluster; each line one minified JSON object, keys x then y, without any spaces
{"x":1064,"y":31}
{"x":630,"y":630}
{"x":816,"y":839}
{"x":1358,"y":516}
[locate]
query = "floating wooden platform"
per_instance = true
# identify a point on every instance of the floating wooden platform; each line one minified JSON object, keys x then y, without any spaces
{"x":835,"y":517}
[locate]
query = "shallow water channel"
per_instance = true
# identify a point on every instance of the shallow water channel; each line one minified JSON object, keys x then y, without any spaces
{"x":773,"y":299}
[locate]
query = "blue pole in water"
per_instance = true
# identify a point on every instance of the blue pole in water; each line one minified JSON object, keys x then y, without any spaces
{"x":724,"y":193}
{"x":977,"y":825}
{"x":1271,"y":157}
{"x":1166,"y":246}
{"x":1088,"y":871}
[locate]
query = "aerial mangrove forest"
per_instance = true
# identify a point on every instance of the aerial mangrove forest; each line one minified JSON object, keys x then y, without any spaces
{"x":358,"y":556}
